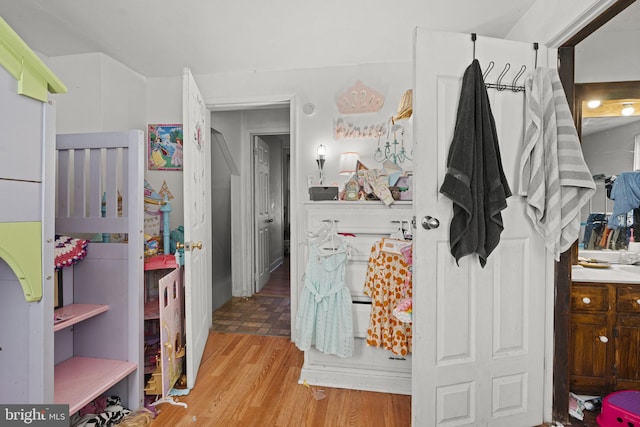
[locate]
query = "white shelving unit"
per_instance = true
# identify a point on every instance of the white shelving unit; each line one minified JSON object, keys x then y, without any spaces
{"x":98,"y":347}
{"x":370,"y":368}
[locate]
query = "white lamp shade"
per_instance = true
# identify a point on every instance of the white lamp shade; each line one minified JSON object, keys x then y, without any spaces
{"x":348,"y":162}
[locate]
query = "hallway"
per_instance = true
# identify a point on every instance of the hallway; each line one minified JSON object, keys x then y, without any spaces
{"x":265,"y":313}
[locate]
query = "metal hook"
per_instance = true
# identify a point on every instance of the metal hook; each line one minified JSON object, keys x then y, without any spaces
{"x":489,"y":68}
{"x":499,"y":84}
{"x":514,"y":85}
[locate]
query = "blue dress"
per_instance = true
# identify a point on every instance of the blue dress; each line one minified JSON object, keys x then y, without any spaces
{"x":324,"y":318}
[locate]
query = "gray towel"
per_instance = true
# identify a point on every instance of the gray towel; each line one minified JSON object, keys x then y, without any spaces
{"x":553,"y":174}
{"x":475,"y":181}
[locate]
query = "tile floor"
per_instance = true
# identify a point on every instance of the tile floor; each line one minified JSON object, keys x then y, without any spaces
{"x":265,"y":313}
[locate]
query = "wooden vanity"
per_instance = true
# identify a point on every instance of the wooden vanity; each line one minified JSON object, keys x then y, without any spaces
{"x":605,"y":329}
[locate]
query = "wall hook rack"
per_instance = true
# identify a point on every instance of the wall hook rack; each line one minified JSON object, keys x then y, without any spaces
{"x":514,"y":87}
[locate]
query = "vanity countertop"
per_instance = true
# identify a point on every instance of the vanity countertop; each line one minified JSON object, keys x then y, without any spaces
{"x":616,"y":273}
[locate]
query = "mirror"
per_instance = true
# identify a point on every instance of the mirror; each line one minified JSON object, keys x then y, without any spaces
{"x":610,"y":143}
{"x":610,"y":55}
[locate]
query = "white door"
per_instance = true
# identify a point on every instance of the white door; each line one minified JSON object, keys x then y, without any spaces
{"x":262,"y":217}
{"x":478,"y":355}
{"x":197,"y":223}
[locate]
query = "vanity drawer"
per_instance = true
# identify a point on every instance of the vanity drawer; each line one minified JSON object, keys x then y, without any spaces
{"x":589,"y":298}
{"x":629,"y":299}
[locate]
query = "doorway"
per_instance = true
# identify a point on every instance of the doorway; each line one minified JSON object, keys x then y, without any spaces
{"x":241,"y":125}
{"x":270,"y":195}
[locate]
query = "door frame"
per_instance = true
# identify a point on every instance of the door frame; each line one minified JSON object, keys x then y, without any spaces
{"x":595,"y":17}
{"x":243,"y":248}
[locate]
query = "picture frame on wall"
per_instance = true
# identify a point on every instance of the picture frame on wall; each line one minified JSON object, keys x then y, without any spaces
{"x":165,"y":147}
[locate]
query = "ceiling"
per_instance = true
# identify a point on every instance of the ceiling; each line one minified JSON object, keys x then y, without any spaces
{"x":628,"y":21}
{"x":158,"y":38}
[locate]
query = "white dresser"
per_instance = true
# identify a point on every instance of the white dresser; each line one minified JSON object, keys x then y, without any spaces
{"x":370,"y":368}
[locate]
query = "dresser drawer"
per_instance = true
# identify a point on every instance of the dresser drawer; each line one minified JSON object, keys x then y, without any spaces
{"x":589,"y":298}
{"x":629,"y":299}
{"x":361,"y":314}
{"x":364,"y":357}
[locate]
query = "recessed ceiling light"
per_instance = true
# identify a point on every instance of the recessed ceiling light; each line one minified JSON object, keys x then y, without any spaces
{"x":593,"y":104}
{"x":627,"y":110}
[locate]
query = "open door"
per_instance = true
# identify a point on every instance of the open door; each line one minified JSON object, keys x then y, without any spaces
{"x":263,"y":219}
{"x":197,"y":223}
{"x":479,"y":333}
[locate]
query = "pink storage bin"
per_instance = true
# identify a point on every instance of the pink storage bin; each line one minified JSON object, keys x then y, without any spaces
{"x":620,"y":409}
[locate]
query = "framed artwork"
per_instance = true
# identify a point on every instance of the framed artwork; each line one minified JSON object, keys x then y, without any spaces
{"x":165,"y":147}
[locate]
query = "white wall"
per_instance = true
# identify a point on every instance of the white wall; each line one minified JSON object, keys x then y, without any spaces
{"x":103,"y":95}
{"x":164,"y":105}
{"x":221,"y":230}
{"x":322,"y":87}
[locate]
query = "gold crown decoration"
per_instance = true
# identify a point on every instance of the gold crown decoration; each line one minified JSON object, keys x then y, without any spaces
{"x":360,"y":98}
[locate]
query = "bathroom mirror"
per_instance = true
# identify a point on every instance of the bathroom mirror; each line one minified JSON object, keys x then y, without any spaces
{"x":609,"y":138}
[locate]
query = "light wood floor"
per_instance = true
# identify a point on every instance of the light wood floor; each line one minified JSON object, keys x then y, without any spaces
{"x":252,"y":380}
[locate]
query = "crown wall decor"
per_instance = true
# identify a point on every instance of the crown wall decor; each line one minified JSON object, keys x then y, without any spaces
{"x":360,"y":98}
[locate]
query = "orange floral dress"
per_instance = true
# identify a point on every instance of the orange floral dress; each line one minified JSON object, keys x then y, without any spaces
{"x":385,"y":284}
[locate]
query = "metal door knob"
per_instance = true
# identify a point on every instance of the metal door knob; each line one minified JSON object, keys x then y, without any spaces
{"x":188,"y":246}
{"x":429,"y":222}
{"x":270,"y":220}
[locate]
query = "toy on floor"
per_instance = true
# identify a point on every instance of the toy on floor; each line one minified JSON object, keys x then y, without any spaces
{"x":621,"y":408}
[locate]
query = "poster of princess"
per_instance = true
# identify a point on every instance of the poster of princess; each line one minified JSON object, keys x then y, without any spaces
{"x":165,"y":147}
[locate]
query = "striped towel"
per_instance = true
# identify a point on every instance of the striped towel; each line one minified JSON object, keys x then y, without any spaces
{"x":553,"y":174}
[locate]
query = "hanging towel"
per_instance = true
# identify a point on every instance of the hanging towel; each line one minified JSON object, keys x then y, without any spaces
{"x":475,"y":181}
{"x":625,"y":194}
{"x":553,"y":174}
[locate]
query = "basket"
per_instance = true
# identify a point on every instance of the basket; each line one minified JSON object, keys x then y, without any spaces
{"x":621,"y":408}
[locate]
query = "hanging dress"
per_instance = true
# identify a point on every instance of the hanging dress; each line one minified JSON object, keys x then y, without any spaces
{"x":388,"y":283}
{"x":324,"y":317}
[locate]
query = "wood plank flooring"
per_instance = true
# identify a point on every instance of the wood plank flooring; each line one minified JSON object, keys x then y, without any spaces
{"x":252,"y":380}
{"x":249,"y":379}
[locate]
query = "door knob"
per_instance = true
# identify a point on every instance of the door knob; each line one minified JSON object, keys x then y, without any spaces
{"x":188,"y":246}
{"x":429,"y":222}
{"x":603,"y":339}
{"x":270,"y":220}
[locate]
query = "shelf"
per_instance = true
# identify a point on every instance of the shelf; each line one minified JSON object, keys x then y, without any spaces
{"x":77,"y":313}
{"x":79,"y":380}
{"x":160,"y":261}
